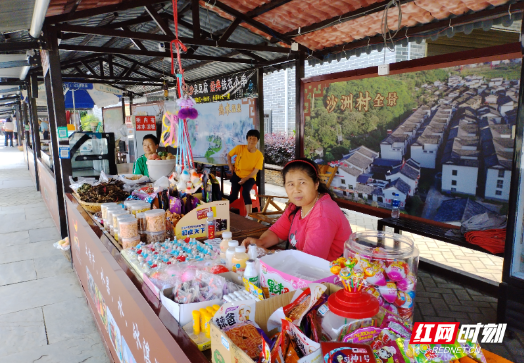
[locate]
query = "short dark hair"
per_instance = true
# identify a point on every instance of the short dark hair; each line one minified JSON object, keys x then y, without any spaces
{"x":152,"y":137}
{"x":255,"y":133}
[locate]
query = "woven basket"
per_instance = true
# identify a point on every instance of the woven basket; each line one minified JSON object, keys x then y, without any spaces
{"x":90,"y":207}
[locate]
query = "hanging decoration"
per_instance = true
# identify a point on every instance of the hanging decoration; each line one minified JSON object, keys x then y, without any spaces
{"x":184,"y":155}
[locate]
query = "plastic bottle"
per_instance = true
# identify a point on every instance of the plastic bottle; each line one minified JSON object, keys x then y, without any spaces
{"x":252,"y":251}
{"x":251,"y":273}
{"x":196,"y":322}
{"x":239,"y":259}
{"x":230,"y":252}
{"x":210,"y":225}
{"x":395,"y":211}
{"x":224,"y":245}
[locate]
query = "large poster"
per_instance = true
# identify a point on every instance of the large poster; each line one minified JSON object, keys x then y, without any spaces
{"x":220,"y":126}
{"x":440,"y":141}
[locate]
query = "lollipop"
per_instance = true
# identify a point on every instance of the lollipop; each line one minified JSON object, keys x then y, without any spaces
{"x":407,"y":284}
{"x":375,"y":274}
{"x":389,"y":291}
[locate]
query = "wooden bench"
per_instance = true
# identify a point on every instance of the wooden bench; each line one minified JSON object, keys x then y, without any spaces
{"x":427,"y":230}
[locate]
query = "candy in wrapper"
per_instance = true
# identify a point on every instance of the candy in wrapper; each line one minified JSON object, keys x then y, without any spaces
{"x":397,"y":270}
{"x":373,"y":291}
{"x":405,"y":299}
{"x":363,"y":335}
{"x":391,"y":308}
{"x":473,"y":351}
{"x":407,"y":284}
{"x":385,"y":347}
{"x":396,"y":325}
{"x":298,"y":308}
{"x":375,"y":274}
{"x":389,"y":292}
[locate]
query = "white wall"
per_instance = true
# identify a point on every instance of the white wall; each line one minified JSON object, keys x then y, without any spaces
{"x":388,"y":196}
{"x":412,"y":183}
{"x":491,"y":184}
{"x":348,"y":179}
{"x":389,"y":152}
{"x":425,"y":157}
{"x":466,"y":179}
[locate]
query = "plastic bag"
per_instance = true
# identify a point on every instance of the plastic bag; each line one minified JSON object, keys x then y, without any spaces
{"x":81,"y":181}
{"x":481,"y":222}
{"x":126,"y":178}
{"x":62,"y":244}
{"x":162,"y":183}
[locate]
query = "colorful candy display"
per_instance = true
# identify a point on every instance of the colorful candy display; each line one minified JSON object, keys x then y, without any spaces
{"x":389,"y":264}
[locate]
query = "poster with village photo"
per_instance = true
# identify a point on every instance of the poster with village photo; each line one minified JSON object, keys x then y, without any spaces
{"x":440,"y":141}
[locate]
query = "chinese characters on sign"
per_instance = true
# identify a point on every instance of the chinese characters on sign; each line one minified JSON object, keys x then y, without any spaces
{"x":361,"y":102}
{"x":193,"y":230}
{"x":445,"y":333}
{"x":229,"y":109}
{"x":232,"y":87}
{"x":145,"y":123}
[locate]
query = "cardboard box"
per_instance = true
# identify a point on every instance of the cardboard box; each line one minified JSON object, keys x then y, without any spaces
{"x":223,"y":350}
{"x":183,"y":312}
{"x":275,"y":282}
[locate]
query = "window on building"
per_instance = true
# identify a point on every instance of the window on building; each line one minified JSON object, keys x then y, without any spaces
{"x":343,"y":181}
{"x":380,"y":199}
{"x":344,"y":193}
{"x":454,"y":172}
{"x":500,"y":184}
{"x":360,"y":195}
{"x":453,"y":182}
{"x":501,"y":173}
{"x":498,"y":192}
{"x":370,"y":197}
{"x":350,"y":186}
{"x":453,"y":190}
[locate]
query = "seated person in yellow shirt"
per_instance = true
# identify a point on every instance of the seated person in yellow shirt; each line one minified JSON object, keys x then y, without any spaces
{"x":247,"y":164}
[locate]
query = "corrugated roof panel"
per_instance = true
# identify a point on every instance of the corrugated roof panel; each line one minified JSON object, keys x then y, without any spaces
{"x":16,"y":15}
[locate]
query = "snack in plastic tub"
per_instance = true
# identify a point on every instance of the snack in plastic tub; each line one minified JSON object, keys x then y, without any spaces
{"x":155,"y":236}
{"x":141,"y":220}
{"x":115,"y":215}
{"x":130,"y":242}
{"x":104,"y":207}
{"x":108,"y":220}
{"x":130,"y":202}
{"x":139,"y":208}
{"x":156,"y":220}
{"x":128,"y":228}
{"x":116,"y":234}
{"x":143,"y":236}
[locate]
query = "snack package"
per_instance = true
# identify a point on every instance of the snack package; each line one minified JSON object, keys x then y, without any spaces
{"x":428,"y":353}
{"x":298,"y":308}
{"x":247,"y":337}
{"x":386,"y":349}
{"x":473,"y":351}
{"x":292,"y":345}
{"x":346,"y":353}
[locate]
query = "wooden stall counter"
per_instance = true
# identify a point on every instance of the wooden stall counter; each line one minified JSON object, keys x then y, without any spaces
{"x":129,"y":316}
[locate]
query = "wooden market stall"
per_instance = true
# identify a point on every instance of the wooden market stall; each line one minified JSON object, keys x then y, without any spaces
{"x":125,"y":44}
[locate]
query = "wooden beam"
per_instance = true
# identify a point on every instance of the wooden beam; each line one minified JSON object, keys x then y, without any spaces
{"x":89,"y":68}
{"x":230,"y":29}
{"x":195,"y":10}
{"x":137,"y":43}
{"x":125,"y":5}
{"x":71,"y":6}
{"x":160,"y":22}
{"x":12,"y":46}
{"x":262,"y":9}
{"x":79,"y":48}
{"x":101,"y":66}
{"x":165,"y":38}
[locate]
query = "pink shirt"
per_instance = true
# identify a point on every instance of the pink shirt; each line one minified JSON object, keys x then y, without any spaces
{"x":322,"y":233}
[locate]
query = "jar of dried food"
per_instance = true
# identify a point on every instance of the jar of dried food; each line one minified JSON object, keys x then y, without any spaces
{"x":156,"y":220}
{"x":141,"y":220}
{"x":128,"y":227}
{"x":156,"y":236}
{"x":116,"y":215}
{"x":130,"y":242}
{"x":139,"y":208}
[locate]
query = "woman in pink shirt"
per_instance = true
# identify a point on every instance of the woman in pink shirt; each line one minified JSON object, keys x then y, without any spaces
{"x":312,"y":222}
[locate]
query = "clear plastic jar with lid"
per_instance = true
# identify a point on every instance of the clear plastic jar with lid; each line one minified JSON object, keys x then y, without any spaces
{"x":156,"y":220}
{"x":155,"y":236}
{"x":139,"y":208}
{"x":129,"y":203}
{"x":109,"y":216}
{"x":141,"y":220}
{"x":104,"y":207}
{"x":130,"y":242}
{"x":390,"y":263}
{"x":128,"y":227}
{"x":116,"y":215}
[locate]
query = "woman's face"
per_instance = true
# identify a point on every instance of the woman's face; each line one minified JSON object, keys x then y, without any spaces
{"x":149,"y":146}
{"x":300,"y":188}
{"x":252,"y":141}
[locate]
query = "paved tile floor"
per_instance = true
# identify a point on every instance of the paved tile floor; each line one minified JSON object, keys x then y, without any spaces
{"x":44,"y":315}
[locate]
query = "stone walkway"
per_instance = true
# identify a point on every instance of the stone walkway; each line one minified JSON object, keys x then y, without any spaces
{"x":44,"y":315}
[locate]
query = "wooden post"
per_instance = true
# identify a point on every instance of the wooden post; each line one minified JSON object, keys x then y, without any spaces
{"x":35,"y":143}
{"x":57,"y":118}
{"x":260,"y":107}
{"x":299,"y":126}
{"x":123,"y":110}
{"x":18,"y":115}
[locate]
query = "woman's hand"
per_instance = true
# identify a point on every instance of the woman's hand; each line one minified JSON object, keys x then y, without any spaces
{"x":251,"y":240}
{"x":243,"y":180}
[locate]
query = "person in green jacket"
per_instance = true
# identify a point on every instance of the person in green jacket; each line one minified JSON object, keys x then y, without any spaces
{"x":150,"y":145}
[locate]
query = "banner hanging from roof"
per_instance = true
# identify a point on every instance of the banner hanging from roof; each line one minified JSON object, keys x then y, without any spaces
{"x":232,"y":87}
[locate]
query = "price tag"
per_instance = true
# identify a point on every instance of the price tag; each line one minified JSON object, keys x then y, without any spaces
{"x":63,"y":152}
{"x":62,"y":132}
